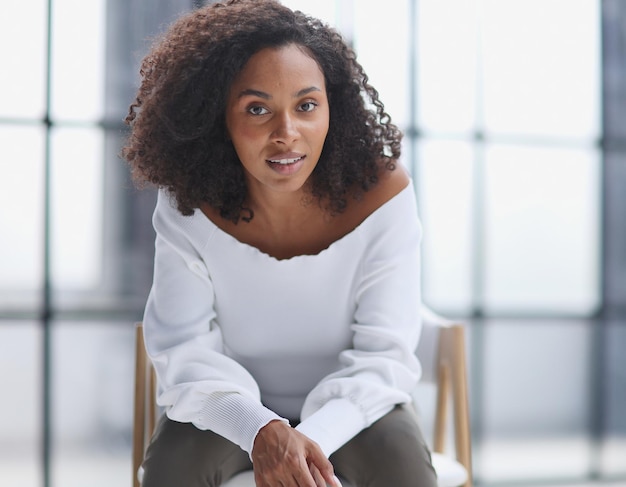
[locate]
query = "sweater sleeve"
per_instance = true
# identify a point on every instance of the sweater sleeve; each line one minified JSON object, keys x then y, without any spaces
{"x":381,"y":369}
{"x":197,"y":382}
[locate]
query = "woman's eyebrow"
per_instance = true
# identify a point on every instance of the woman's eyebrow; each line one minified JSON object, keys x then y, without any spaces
{"x":306,"y":91}
{"x":251,"y":92}
{"x":267,"y":96}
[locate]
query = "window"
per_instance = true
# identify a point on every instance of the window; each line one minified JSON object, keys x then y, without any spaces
{"x":514,"y":138}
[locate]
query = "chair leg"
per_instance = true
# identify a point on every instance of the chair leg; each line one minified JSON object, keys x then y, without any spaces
{"x":139,"y":430}
{"x":461,"y":401}
{"x":441,"y":409}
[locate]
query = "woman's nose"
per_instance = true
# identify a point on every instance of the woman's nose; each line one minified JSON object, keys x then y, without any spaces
{"x":286,"y":128}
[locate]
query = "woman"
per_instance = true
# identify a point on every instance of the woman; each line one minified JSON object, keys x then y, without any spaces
{"x":284,"y":311}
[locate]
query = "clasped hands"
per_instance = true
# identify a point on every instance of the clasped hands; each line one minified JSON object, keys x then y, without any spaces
{"x":284,"y":457}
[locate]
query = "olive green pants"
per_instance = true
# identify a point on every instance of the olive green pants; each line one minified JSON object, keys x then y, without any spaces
{"x":390,"y":453}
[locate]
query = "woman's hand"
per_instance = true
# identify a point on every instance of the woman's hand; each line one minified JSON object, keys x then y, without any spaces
{"x":282,"y":456}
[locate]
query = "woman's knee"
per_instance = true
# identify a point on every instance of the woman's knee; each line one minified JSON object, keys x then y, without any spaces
{"x":390,"y":452}
{"x":181,"y":454}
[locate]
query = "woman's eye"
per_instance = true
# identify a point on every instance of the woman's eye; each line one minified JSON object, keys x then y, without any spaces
{"x":309,"y":106}
{"x":258,"y":110}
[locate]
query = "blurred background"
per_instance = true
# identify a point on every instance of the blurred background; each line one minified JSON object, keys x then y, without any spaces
{"x":514,"y":113}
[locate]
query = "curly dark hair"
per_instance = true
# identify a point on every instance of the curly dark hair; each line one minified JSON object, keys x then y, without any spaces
{"x":178,"y":138}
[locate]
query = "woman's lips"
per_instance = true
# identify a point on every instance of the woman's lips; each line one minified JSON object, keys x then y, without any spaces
{"x":286,"y":164}
{"x":286,"y":161}
{"x":286,"y":158}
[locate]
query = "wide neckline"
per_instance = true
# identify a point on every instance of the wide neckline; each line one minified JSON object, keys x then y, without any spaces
{"x":217,"y":231}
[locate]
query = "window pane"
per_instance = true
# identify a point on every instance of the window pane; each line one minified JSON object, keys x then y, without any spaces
{"x":92,"y":403}
{"x":22,"y":59}
{"x":21,"y":220}
{"x":541,"y":61}
{"x":445,"y":199}
{"x":542,"y":214}
{"x":536,"y":404}
{"x":76,"y":165}
{"x":446,"y":73}
{"x":20,"y":417}
{"x":385,"y":57}
{"x":78,"y":59}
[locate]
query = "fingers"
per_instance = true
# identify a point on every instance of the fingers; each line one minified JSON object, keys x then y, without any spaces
{"x":317,"y":476}
{"x":323,"y":466}
{"x":282,"y":456}
{"x":320,"y":481}
{"x":300,"y":478}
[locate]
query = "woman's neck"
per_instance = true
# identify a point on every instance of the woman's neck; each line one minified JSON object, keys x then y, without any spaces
{"x":282,"y":213}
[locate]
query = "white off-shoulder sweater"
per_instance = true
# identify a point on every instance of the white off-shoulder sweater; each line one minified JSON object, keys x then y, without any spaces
{"x":239,"y":338}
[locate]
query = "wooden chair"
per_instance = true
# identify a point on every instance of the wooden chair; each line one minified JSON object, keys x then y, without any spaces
{"x":442,"y":354}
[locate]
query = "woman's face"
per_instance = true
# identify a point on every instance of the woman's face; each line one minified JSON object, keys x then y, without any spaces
{"x":277,"y":117}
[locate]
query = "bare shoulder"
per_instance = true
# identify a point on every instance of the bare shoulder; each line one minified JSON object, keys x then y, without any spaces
{"x":390,"y":184}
